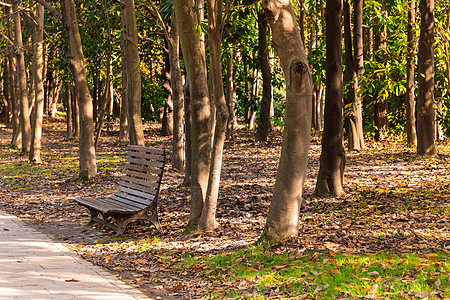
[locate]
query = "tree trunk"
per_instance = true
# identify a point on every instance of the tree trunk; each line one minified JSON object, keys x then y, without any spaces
{"x":264,"y":114}
{"x":176,"y":81}
{"x":131,"y":58}
{"x":230,"y":95}
{"x":332,"y":158}
{"x":381,"y":103}
{"x":410,"y":66}
{"x":201,"y":137}
{"x":25,"y":123}
{"x":358,"y":65}
{"x":207,"y":220}
{"x":69,"y":105}
{"x":188,"y":130}
{"x":284,"y":210}
{"x":13,"y":88}
{"x":425,"y":98}
{"x":123,"y":131}
{"x":167,"y":121}
{"x":38,"y":68}
{"x":88,"y":165}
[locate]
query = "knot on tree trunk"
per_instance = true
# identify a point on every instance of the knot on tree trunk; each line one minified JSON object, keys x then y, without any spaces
{"x":298,"y":80}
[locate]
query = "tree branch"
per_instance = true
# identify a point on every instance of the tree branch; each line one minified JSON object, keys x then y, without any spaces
{"x":51,"y":9}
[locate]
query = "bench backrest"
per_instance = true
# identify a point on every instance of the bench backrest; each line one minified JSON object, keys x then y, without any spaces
{"x":142,"y":174}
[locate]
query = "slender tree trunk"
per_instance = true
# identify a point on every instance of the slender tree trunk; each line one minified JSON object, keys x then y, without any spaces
{"x":425,"y":99}
{"x":25,"y":123}
{"x":131,"y":58}
{"x":207,"y":220}
{"x":284,"y":210}
{"x":201,"y":138}
{"x":381,"y":103}
{"x":167,"y":121}
{"x":69,"y":132}
{"x":88,"y":165}
{"x":358,"y":64}
{"x":38,"y":68}
{"x":410,"y":66}
{"x":332,"y":158}
{"x":13,"y":87}
{"x":177,"y":97}
{"x":123,"y":132}
{"x":264,"y":115}
{"x":230,"y":95}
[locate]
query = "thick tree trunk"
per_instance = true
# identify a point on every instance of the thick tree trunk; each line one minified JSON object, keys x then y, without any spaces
{"x":264,"y":125}
{"x":332,"y":158}
{"x":284,"y":210}
{"x":188,"y":130}
{"x":88,"y":165}
{"x":425,"y":98}
{"x":176,"y":81}
{"x":131,"y":58}
{"x":381,"y":103}
{"x":201,"y":138}
{"x":410,"y":82}
{"x":25,"y":123}
{"x":38,"y":69}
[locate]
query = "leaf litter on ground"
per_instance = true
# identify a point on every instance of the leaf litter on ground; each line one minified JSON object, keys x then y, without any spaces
{"x":397,"y":205}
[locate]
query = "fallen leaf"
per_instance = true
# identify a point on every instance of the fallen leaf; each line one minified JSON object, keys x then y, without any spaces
{"x":177,"y":287}
{"x":72,"y":280}
{"x":422,"y":295}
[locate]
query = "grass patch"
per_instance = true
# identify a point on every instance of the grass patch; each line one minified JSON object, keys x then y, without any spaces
{"x":253,"y":273}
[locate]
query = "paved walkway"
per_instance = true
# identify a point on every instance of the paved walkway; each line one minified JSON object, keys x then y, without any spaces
{"x":33,"y":267}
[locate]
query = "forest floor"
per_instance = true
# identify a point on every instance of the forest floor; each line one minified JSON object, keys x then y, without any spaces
{"x":396,"y":203}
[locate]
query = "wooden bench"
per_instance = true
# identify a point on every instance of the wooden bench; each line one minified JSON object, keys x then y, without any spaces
{"x":137,"y":195}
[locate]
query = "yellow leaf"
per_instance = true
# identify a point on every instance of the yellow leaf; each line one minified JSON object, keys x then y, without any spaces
{"x":249,"y":269}
{"x":431,"y":255}
{"x":108,"y":258}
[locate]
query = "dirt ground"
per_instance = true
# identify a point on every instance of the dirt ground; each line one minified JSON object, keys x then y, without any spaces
{"x":396,"y":202}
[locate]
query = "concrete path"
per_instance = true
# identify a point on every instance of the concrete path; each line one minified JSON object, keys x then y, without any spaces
{"x":33,"y":267}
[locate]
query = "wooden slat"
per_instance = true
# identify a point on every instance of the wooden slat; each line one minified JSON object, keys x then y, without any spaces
{"x":153,"y":163}
{"x":142,"y":171}
{"x":141,"y":182}
{"x":103,"y":206}
{"x":140,"y":188}
{"x":131,"y":200}
{"x":119,"y":204}
{"x":147,"y":149}
{"x":146,"y":156}
{"x":135,"y":193}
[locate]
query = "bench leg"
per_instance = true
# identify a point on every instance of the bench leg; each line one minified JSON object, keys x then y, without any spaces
{"x":148,"y":214}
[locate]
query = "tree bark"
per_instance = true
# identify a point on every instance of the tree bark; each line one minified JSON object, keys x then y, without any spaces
{"x":38,"y":74}
{"x":188,"y":130}
{"x":358,"y":64}
{"x":282,"y":220}
{"x":201,"y":138}
{"x":123,"y":131}
{"x":230,"y":95}
{"x":381,"y":103}
{"x":69,"y":132}
{"x":88,"y":165}
{"x":264,"y":114}
{"x":332,"y":158}
{"x":411,"y":135}
{"x":131,"y":58}
{"x":25,"y":123}
{"x":207,"y":220}
{"x":167,"y":121}
{"x":176,"y":81}
{"x":425,"y":98}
